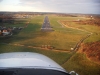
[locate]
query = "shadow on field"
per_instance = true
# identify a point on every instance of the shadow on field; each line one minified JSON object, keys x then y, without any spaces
{"x":31,"y":31}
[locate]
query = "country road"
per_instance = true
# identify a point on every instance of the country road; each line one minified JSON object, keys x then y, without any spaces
{"x":46,"y":25}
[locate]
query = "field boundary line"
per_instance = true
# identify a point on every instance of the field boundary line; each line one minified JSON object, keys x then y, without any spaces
{"x":77,"y":46}
{"x":39,"y":48}
{"x":73,"y":27}
{"x":79,"y":43}
{"x":21,"y":45}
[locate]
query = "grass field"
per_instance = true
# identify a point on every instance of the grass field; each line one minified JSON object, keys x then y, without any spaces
{"x":62,"y":38}
{"x":79,"y":61}
{"x":33,"y":36}
{"x":82,"y":65}
{"x":95,"y":30}
{"x":59,"y":57}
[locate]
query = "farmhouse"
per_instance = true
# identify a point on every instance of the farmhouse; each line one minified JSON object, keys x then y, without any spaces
{"x":5,"y":31}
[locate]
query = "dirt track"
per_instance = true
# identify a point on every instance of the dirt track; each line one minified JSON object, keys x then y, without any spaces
{"x":55,"y":50}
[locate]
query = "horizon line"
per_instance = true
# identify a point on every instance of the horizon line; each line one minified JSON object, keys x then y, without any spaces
{"x":52,"y":12}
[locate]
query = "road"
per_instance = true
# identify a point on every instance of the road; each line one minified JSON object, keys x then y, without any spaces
{"x":46,"y":25}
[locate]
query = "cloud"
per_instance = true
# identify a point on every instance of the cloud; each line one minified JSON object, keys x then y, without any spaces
{"x":1,"y":0}
{"x":85,"y":6}
{"x":48,"y":3}
{"x":39,"y":4}
{"x":66,"y":6}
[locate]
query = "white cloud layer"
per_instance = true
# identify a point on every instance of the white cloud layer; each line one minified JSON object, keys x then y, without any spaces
{"x":66,"y":6}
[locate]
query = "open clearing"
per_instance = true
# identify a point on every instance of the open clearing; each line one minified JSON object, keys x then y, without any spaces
{"x":32,"y":39}
{"x":32,"y":35}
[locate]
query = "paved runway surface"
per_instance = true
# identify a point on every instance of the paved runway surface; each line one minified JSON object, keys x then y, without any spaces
{"x":46,"y":25}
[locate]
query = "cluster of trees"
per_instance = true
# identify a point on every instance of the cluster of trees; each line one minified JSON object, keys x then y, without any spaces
{"x":89,"y":22}
{"x":66,"y":15}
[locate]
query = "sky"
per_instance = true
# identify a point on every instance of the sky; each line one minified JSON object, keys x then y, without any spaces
{"x":60,"y":6}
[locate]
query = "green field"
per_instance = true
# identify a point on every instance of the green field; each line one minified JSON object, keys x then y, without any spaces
{"x":95,"y":30}
{"x":32,"y":35}
{"x":62,"y":39}
{"x":82,"y":65}
{"x":59,"y":57}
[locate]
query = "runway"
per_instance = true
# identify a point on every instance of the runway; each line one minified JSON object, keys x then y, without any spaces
{"x":46,"y":25}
